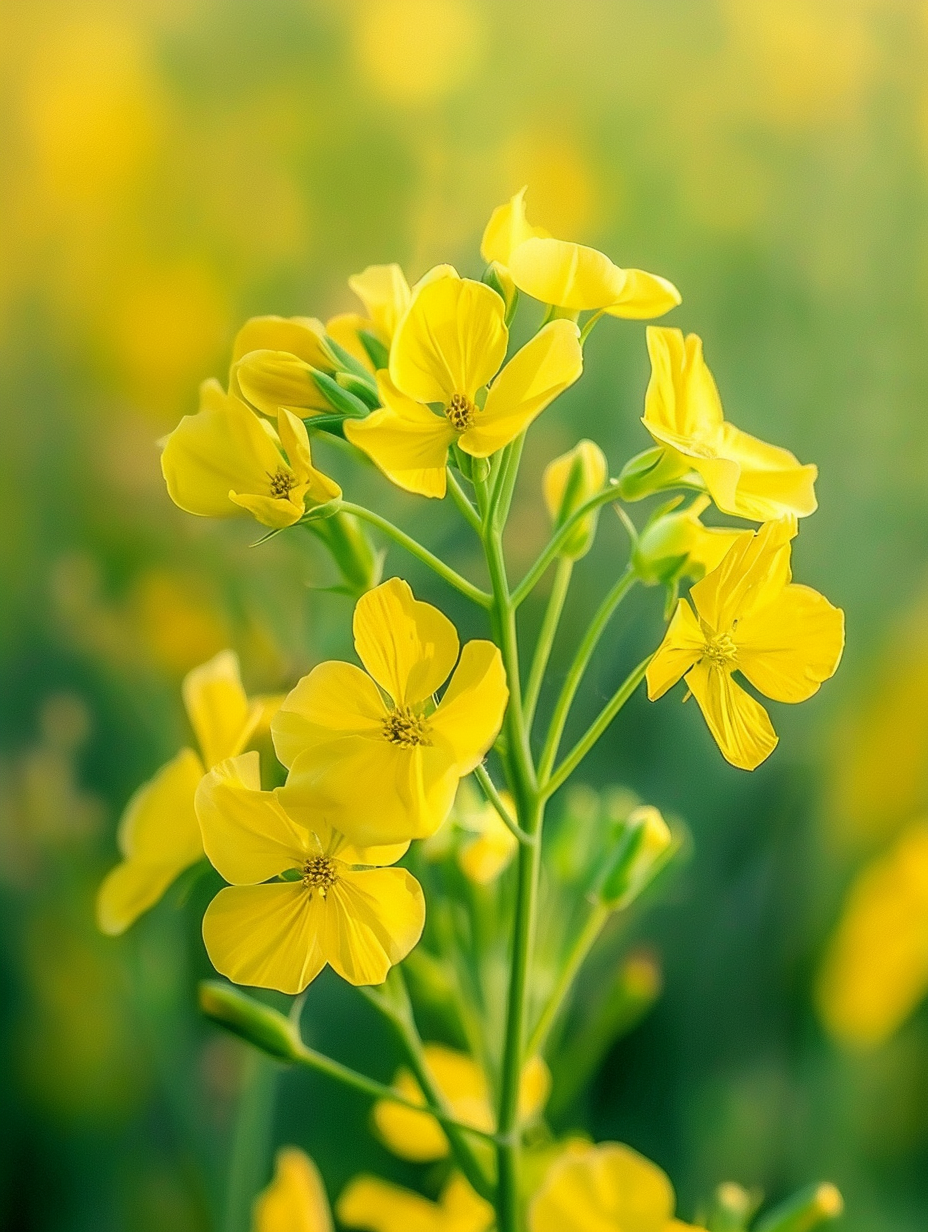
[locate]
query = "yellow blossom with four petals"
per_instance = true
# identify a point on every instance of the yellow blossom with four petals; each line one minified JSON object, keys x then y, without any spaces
{"x":744,"y":476}
{"x":227,"y":462}
{"x":448,"y":347}
{"x":748,"y":616}
{"x":372,"y":744}
{"x":335,"y":904}
{"x":158,"y":834}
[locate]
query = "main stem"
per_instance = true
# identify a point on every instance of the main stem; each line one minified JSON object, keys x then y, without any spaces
{"x":520,"y":771}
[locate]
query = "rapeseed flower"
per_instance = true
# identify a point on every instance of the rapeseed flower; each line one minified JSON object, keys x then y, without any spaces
{"x":448,"y":347}
{"x":377,"y":1206}
{"x":273,"y":359}
{"x":159,"y":835}
{"x":683,"y":412}
{"x":570,"y":276}
{"x":604,"y":1188}
{"x":372,"y":744}
{"x":749,"y":617}
{"x":334,"y":902}
{"x":295,"y":1200}
{"x":418,"y":1136}
{"x":225,"y":462}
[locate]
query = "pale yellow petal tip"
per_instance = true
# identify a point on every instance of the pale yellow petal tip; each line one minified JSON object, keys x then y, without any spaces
{"x":295,"y":1200}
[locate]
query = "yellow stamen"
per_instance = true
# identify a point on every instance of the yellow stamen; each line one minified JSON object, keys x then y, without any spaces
{"x":721,"y":651}
{"x":281,"y":483}
{"x":405,"y":728}
{"x":460,"y":410}
{"x":319,"y":874}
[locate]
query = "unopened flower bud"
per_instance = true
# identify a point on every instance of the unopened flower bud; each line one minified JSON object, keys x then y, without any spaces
{"x":499,"y":278}
{"x":569,"y":482}
{"x":655,"y":470}
{"x":805,"y":1211}
{"x":641,"y":852}
{"x":675,"y":544}
{"x":251,"y":1020}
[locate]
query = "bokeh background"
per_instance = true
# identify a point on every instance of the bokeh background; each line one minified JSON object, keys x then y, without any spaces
{"x":170,"y":167}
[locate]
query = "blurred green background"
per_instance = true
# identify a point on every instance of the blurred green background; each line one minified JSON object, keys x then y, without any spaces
{"x":170,"y":167}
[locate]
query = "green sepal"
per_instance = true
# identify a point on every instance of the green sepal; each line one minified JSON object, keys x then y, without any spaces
{"x":360,"y":565}
{"x":347,"y":404}
{"x":344,"y":361}
{"x":334,"y":425}
{"x":499,"y":279}
{"x":250,"y":1020}
{"x":655,"y":470}
{"x":645,"y":845}
{"x":361,"y":389}
{"x":378,"y":354}
{"x":808,"y":1209}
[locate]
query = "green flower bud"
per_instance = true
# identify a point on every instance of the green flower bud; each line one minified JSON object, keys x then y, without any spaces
{"x":806,"y":1210}
{"x":351,"y":550}
{"x":644,"y":846}
{"x":655,"y":470}
{"x":569,"y":482}
{"x":251,"y":1020}
{"x":674,"y":544}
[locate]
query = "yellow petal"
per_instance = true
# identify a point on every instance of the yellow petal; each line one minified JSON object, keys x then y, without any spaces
{"x":266,"y":935}
{"x":377,"y":1206}
{"x":384,"y":292}
{"x":408,"y":646}
{"x":272,"y":379}
{"x":605,"y":1187}
{"x":532,"y":379}
{"x":451,"y":341}
{"x":644,"y":296}
{"x":683,"y":645}
{"x":295,"y":1200}
{"x":463,"y":1210}
{"x":270,"y":511}
{"x":567,"y":275}
{"x":316,"y":488}
{"x":246,"y":834}
{"x":507,"y":229}
{"x":534,"y":1087}
{"x":333,"y":699}
{"x":740,"y":726}
{"x":470,"y":714}
{"x":484,"y":857}
{"x":159,"y":837}
{"x":344,"y":328}
{"x":752,"y":574}
{"x":219,"y":712}
{"x":221,"y":448}
{"x":682,"y":404}
{"x":787,"y":648}
{"x":406,"y":440}
{"x":301,"y":336}
{"x":771,"y":483}
{"x":372,"y":919}
{"x":374,"y":792}
{"x":417,"y":1135}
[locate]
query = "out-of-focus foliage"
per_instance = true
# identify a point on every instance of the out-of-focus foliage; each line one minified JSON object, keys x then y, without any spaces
{"x":170,"y":167}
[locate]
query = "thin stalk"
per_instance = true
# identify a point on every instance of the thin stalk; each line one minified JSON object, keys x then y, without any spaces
{"x":575,"y":960}
{"x":462,"y":500}
{"x":596,"y":729}
{"x":474,"y":593}
{"x":553,"y":547}
{"x":493,"y":796}
{"x":577,"y":669}
{"x":502,"y":496}
{"x":589,"y":325}
{"x":249,"y":1158}
{"x":546,"y":635}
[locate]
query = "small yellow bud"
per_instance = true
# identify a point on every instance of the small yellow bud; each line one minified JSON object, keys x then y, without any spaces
{"x":568,"y":482}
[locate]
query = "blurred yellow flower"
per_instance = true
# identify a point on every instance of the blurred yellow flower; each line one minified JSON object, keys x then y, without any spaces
{"x":567,"y":483}
{"x":683,"y":412}
{"x":448,"y":347}
{"x":295,"y":1200}
{"x":875,"y":970}
{"x":158,"y":833}
{"x":280,"y":934}
{"x":385,"y":294}
{"x":568,"y":275}
{"x":388,"y":771}
{"x":679,"y":543}
{"x":378,"y":1206}
{"x":225,"y":461}
{"x":491,"y":845}
{"x":418,"y":1136}
{"x":605,"y":1188}
{"x":749,"y":617}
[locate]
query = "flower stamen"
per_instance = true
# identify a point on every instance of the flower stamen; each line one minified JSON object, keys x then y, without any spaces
{"x":404,"y":727}
{"x":319,"y":874}
{"x":282,"y":481}
{"x":721,"y":651}
{"x":460,"y":411}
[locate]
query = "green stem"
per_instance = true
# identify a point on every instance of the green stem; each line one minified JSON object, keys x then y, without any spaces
{"x":553,"y":548}
{"x":493,"y":796}
{"x":596,"y":729}
{"x":474,"y":593}
{"x":249,"y":1159}
{"x":589,"y":325}
{"x":546,"y":636}
{"x":575,"y":960}
{"x":577,"y":669}
{"x":502,"y":495}
{"x":461,"y":499}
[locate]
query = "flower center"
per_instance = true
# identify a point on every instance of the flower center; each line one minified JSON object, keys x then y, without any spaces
{"x":281,"y":483}
{"x":721,"y":651}
{"x":319,"y":874}
{"x":405,"y":728}
{"x":460,"y":410}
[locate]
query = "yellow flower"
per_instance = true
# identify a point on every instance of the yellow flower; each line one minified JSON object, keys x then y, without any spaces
{"x":224,"y":462}
{"x":295,"y":1200}
{"x":876,"y":968}
{"x":677,"y":544}
{"x":418,"y":1136}
{"x":385,"y":294}
{"x":272,"y":362}
{"x":378,"y":1206}
{"x":158,"y":834}
{"x":388,"y":769}
{"x":280,"y":934}
{"x":683,"y":412}
{"x":491,"y":845}
{"x":749,"y":617}
{"x":567,"y":483}
{"x":567,"y":275}
{"x":605,"y":1188}
{"x":448,"y":347}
